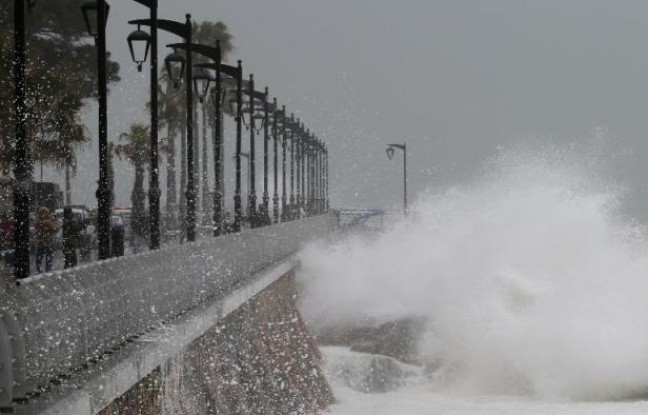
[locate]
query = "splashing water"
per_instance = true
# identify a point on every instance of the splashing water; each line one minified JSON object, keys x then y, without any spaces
{"x":530,"y":280}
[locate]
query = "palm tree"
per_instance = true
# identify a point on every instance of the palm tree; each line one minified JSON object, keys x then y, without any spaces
{"x":56,"y":139}
{"x":136,"y":147}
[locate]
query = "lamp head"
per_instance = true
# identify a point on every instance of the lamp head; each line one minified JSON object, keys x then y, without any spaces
{"x":175,"y":64}
{"x":139,"y":43}
{"x":202,"y":80}
{"x":390,"y":152}
{"x":90,"y":9}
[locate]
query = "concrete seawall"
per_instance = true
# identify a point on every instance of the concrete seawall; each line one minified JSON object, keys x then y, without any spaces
{"x":261,"y":359}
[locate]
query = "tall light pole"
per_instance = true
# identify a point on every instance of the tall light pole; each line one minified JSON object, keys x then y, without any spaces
{"x":283,"y":164}
{"x":266,"y":138}
{"x":139,"y":42}
{"x":235,"y":72}
{"x":252,"y":158}
{"x":390,"y":154}
{"x":96,"y":15}
{"x":22,"y":167}
{"x":275,"y":138}
{"x":303,"y":157}
{"x":295,"y":159}
{"x":176,"y":65}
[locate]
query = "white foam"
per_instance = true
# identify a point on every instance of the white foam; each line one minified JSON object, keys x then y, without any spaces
{"x":532,"y":283}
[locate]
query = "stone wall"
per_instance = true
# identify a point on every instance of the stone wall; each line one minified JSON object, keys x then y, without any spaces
{"x":259,"y":360}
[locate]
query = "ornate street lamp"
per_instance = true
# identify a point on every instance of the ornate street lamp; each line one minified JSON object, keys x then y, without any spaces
{"x":294,"y":157}
{"x":175,"y":65}
{"x":139,"y":42}
{"x":201,"y":81}
{"x":284,"y":127}
{"x":90,"y":9}
{"x":236,"y":73}
{"x":390,"y":154}
{"x":275,"y":138}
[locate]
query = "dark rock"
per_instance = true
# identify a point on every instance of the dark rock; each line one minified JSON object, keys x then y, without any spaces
{"x":397,"y":339}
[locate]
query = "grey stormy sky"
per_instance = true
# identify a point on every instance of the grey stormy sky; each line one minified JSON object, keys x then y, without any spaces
{"x":453,"y":78}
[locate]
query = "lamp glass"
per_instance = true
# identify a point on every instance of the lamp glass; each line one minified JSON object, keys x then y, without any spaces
{"x":89,"y":9}
{"x":139,"y":43}
{"x":175,"y":64}
{"x":201,"y":85}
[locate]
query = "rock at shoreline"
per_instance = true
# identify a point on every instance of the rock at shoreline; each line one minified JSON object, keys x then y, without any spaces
{"x":397,"y":339}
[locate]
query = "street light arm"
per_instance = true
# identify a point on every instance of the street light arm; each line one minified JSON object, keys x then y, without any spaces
{"x":210,"y":53}
{"x":257,"y":95}
{"x":176,"y":28}
{"x":231,"y":71}
{"x":148,"y":3}
{"x":401,"y":146}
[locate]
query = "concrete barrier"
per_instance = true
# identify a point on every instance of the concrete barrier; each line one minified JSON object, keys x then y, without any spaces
{"x":54,"y":324}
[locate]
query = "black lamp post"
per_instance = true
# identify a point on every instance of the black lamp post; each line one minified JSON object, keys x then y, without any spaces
{"x":313,"y":176}
{"x":219,"y":98}
{"x":275,"y":139}
{"x":302,"y":167}
{"x":22,"y":166}
{"x":284,"y":212}
{"x":263,"y":117}
{"x":390,"y":154}
{"x":95,"y":13}
{"x":237,"y":73}
{"x":294,"y":160}
{"x":252,"y":158}
{"x":266,"y":138}
{"x":326,"y":179}
{"x":309,"y":173}
{"x":321,"y":177}
{"x":139,"y":43}
{"x":176,"y":65}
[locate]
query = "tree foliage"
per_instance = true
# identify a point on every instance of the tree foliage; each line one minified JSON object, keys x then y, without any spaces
{"x":52,"y":119}
{"x":56,"y":33}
